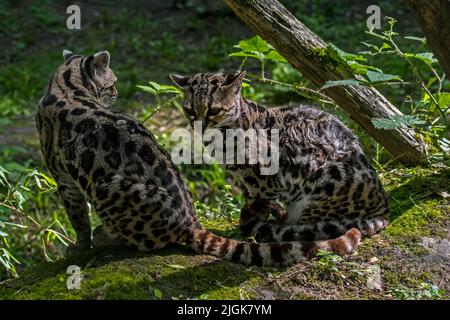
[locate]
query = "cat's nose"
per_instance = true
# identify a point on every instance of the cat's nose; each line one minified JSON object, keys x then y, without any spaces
{"x":203,"y":124}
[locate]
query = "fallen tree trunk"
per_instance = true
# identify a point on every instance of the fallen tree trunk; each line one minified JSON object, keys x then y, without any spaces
{"x":434,"y":19}
{"x":310,"y":55}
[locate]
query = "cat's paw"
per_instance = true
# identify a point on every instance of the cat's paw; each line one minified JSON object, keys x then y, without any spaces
{"x":277,"y":211}
{"x":101,"y":238}
{"x":78,"y":248}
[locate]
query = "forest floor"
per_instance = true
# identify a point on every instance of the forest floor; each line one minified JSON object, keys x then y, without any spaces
{"x":408,"y":260}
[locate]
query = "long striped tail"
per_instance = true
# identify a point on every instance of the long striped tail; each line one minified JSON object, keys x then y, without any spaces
{"x":270,"y":254}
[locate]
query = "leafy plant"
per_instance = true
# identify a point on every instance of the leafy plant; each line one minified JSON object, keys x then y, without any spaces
{"x":328,"y":261}
{"x":157,"y":89}
{"x":429,"y":113}
{"x":226,"y":206}
{"x":26,"y":196}
{"x":425,"y":291}
{"x":259,"y":49}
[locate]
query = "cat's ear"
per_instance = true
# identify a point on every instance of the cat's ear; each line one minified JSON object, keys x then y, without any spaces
{"x":180,"y":81}
{"x":101,"y":62}
{"x":67,"y":54}
{"x":234,"y":80}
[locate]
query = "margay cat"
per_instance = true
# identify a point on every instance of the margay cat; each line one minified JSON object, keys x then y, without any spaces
{"x":324,"y":182}
{"x":112,"y":161}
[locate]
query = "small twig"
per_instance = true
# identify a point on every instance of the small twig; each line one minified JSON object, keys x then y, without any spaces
{"x":242,"y":64}
{"x":322,"y":98}
{"x":160,"y":107}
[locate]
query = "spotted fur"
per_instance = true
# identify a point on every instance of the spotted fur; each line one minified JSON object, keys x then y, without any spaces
{"x":325,"y":185}
{"x":112,"y":161}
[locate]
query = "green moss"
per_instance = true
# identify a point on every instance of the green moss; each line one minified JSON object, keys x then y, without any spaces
{"x":414,"y":223}
{"x":328,"y":56}
{"x":416,"y":204}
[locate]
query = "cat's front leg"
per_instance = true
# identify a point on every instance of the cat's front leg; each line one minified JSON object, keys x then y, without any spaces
{"x":276,"y":210}
{"x":259,"y":210}
{"x":250,"y":216}
{"x":76,"y":207}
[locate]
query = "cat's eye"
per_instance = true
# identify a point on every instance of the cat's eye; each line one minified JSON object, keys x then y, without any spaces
{"x":214,"y":112}
{"x":190,"y":112}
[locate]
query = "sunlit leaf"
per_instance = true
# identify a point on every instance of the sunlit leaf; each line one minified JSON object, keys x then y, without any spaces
{"x":378,"y":77}
{"x":255,"y":43}
{"x":157,"y":88}
{"x":361,"y":68}
{"x":19,"y":198}
{"x":348,"y":56}
{"x":158,"y":293}
{"x":3,"y":179}
{"x":427,"y":57}
{"x":275,"y":56}
{"x":245,"y":54}
{"x":443,"y":99}
{"x":420,"y":39}
{"x":397,"y":121}
{"x":147,"y":89}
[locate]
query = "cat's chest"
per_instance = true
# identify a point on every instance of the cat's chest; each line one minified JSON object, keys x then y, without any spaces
{"x":283,"y":186}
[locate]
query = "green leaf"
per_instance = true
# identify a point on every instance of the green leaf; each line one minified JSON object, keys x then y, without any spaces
{"x":147,"y":89}
{"x":361,"y":68}
{"x":157,"y":88}
{"x":348,"y":56}
{"x":158,"y":293}
{"x":423,"y":40}
{"x":397,"y":121}
{"x":3,"y":179}
{"x":19,"y":198}
{"x":164,"y":88}
{"x":335,"y":83}
{"x":443,"y":99}
{"x":379,"y":77}
{"x":431,"y":81}
{"x":427,"y":57}
{"x":257,"y":48}
{"x":50,"y":181}
{"x":15,"y":167}
{"x":245,"y":54}
{"x":255,"y":43}
{"x":275,"y":56}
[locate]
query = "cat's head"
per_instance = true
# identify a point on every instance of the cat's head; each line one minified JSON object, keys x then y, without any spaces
{"x":94,"y":74}
{"x":211,"y":98}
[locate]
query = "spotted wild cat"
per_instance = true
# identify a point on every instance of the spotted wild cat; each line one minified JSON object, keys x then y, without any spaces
{"x":324,"y":181}
{"x":112,"y":161}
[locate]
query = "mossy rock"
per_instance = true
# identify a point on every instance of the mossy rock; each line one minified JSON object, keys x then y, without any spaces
{"x":409,"y":269}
